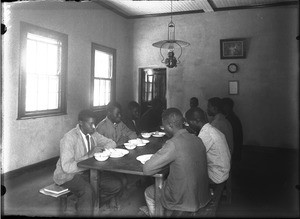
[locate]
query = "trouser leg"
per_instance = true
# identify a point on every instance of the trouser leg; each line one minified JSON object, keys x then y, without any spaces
{"x":82,"y":189}
{"x":110,"y":185}
{"x":150,"y":199}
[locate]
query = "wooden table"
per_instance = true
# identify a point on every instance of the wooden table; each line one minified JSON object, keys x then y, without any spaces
{"x":128,"y":165}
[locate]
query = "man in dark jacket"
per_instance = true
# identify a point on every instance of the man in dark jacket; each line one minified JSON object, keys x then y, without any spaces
{"x":186,"y":187}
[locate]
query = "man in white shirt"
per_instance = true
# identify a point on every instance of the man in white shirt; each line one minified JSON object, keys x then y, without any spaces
{"x":214,"y":108}
{"x":217,"y":150}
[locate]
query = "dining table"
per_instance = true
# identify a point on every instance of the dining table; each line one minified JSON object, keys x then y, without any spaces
{"x":128,"y":164}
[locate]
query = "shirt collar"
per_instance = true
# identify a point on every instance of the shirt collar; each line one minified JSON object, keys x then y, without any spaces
{"x":112,"y":123}
{"x":206,"y":126}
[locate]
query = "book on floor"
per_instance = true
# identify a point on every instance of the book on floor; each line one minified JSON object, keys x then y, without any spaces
{"x":53,"y":188}
{"x":53,"y":194}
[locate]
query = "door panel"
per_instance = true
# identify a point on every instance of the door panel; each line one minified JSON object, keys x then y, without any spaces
{"x":153,"y":85}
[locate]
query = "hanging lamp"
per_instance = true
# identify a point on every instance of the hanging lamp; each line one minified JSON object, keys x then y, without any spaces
{"x":171,"y":44}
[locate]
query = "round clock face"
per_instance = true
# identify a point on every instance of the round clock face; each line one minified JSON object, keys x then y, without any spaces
{"x":232,"y":68}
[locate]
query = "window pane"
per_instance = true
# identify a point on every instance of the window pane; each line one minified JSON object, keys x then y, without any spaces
{"x":96,"y":92}
{"x":53,"y":100}
{"x":31,"y":57}
{"x":52,"y":60}
{"x":31,"y":92}
{"x":43,"y":93}
{"x":103,"y":63}
{"x":53,"y":84}
{"x":41,"y":59}
{"x":107,"y":92}
{"x":102,"y":93}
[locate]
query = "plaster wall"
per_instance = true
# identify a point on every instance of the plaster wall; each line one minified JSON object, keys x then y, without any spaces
{"x":30,"y":141}
{"x":267,"y":103}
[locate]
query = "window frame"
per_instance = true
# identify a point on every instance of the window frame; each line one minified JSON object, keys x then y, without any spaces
{"x":112,"y":52}
{"x":62,"y":102}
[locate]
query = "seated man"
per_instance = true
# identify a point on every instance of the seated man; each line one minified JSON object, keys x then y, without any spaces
{"x":112,"y":127}
{"x":186,"y":187}
{"x":214,"y":108}
{"x":194,"y":102}
{"x":79,"y":144}
{"x":133,"y":119}
{"x":218,"y":154}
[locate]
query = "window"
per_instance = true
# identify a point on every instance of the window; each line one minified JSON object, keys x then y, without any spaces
{"x":103,"y":76}
{"x":42,"y":87}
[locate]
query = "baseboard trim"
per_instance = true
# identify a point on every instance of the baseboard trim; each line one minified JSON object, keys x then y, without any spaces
{"x":29,"y":168}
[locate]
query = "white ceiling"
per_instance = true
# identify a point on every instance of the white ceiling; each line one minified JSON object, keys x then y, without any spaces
{"x":145,"y":8}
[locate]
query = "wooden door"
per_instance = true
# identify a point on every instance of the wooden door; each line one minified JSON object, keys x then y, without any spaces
{"x":153,"y":85}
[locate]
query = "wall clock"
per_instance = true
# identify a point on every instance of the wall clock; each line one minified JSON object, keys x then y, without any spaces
{"x":232,"y":68}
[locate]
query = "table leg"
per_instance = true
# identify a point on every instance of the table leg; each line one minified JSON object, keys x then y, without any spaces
{"x":94,"y":178}
{"x":159,"y":211}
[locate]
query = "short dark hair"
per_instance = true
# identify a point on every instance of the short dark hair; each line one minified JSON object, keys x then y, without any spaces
{"x":195,"y":101}
{"x":133,"y":104}
{"x":189,"y":115}
{"x":173,"y":115}
{"x":112,"y":105}
{"x":228,"y":102}
{"x":216,"y":102}
{"x":85,"y":114}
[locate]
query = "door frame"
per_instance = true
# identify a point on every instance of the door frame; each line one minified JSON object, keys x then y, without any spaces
{"x":140,"y":71}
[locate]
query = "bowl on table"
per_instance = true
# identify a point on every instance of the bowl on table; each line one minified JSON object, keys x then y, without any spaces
{"x":130,"y":146}
{"x":158,"y":134}
{"x":102,"y":156}
{"x":139,"y":142}
{"x":146,"y":134}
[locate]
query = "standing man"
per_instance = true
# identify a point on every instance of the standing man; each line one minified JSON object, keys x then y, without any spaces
{"x":186,"y":187}
{"x":218,"y":154}
{"x":237,"y":129}
{"x":214,"y":108}
{"x":112,"y":127}
{"x":79,"y":144}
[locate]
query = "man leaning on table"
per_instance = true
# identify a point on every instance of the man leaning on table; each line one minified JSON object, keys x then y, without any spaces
{"x":112,"y":126}
{"x":186,"y":187}
{"x":79,"y":144}
{"x":218,"y":154}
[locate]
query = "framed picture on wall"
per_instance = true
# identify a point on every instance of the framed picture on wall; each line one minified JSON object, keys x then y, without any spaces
{"x":233,"y":87}
{"x":233,"y":48}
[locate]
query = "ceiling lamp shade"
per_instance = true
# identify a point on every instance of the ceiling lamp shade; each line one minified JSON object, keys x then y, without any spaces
{"x":171,"y":44}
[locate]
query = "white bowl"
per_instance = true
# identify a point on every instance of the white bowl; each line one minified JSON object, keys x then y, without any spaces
{"x":101,"y":157}
{"x":158,"y":134}
{"x":146,"y":135}
{"x":103,"y":153}
{"x":129,"y":146}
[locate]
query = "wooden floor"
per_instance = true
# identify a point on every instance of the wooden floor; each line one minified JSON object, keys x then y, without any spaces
{"x":262,"y":186}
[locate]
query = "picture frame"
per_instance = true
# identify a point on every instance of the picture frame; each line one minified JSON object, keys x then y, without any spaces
{"x":233,"y":87}
{"x":232,"y":48}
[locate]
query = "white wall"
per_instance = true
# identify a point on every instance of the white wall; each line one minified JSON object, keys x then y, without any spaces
{"x":30,"y":141}
{"x":268,"y":100}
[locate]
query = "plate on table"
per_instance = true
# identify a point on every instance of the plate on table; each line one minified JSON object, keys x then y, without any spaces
{"x":118,"y":152}
{"x":144,"y":158}
{"x":139,"y":142}
{"x":158,"y":134}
